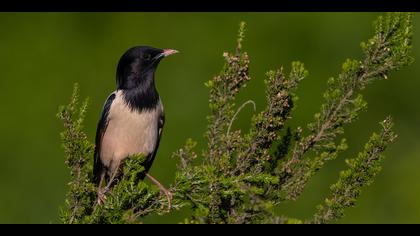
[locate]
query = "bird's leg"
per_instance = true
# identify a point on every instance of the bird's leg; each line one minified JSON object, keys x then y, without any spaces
{"x":167,"y":193}
{"x":101,"y":190}
{"x":114,"y":173}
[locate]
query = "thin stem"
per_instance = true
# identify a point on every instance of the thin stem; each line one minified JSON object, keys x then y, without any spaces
{"x":237,"y":112}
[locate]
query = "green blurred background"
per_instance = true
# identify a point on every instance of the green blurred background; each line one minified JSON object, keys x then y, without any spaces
{"x":43,"y":54}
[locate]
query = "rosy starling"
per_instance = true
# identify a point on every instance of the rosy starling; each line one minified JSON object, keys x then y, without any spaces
{"x":132,"y":118}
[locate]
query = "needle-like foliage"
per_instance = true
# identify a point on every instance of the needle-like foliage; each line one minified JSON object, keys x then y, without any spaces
{"x":242,"y":176}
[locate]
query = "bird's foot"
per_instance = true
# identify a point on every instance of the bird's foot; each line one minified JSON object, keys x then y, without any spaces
{"x":101,"y":196}
{"x":169,"y":197}
{"x":163,"y":190}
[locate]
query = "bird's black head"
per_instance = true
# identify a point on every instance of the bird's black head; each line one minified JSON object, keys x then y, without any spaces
{"x":138,"y":65}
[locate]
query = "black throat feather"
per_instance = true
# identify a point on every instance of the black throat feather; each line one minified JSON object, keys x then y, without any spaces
{"x":144,"y":95}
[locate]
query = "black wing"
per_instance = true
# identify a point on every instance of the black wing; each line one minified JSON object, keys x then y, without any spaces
{"x":100,"y":130}
{"x":151,"y":157}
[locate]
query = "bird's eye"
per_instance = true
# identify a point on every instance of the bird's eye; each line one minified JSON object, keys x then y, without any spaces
{"x":147,"y":57}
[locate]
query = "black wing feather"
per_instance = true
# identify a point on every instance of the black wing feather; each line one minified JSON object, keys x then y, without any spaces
{"x":102,"y":124}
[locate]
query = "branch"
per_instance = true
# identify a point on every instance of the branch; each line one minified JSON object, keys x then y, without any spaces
{"x":388,"y":50}
{"x":361,"y":173}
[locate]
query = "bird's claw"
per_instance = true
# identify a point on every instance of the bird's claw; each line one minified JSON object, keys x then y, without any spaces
{"x":101,"y":197}
{"x":169,"y":197}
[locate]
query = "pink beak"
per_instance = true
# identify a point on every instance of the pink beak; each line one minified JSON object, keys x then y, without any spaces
{"x":168,"y":52}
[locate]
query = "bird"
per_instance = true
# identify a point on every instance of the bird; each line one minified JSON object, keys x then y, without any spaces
{"x":132,"y":119}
